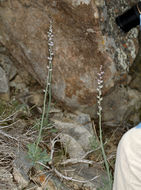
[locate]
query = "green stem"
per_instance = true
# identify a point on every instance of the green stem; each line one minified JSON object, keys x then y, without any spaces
{"x":103,"y":153}
{"x":43,"y":115}
{"x":49,"y":94}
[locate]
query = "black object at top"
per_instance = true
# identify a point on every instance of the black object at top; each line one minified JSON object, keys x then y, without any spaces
{"x":130,"y":18}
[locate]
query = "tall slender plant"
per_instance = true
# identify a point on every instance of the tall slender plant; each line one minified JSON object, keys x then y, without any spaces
{"x":50,"y":59}
{"x":99,"y":113}
{"x":35,"y":153}
{"x":46,"y":108}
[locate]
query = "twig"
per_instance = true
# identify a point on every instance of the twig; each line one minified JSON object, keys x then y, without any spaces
{"x":45,"y":182}
{"x":7,"y":135}
{"x":91,"y":151}
{"x":102,"y":162}
{"x":9,"y":117}
{"x":9,"y":126}
{"x":47,"y":167}
{"x":71,"y":178}
{"x":77,"y":160}
{"x":52,"y":150}
{"x":52,"y":147}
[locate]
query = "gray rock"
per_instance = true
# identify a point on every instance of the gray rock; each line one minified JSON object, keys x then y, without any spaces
{"x":4,"y":87}
{"x":8,"y":66}
{"x":121,"y":106}
{"x":72,"y":146}
{"x":81,"y":118}
{"x":76,"y":133}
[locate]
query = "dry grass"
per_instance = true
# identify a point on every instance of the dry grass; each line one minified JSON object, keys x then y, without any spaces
{"x":12,"y":139}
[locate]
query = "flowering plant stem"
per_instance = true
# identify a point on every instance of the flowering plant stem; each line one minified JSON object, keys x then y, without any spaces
{"x":99,"y":98}
{"x":46,"y":109}
{"x":50,"y":58}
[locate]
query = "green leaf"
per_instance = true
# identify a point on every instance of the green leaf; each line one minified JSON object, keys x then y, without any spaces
{"x":37,"y":155}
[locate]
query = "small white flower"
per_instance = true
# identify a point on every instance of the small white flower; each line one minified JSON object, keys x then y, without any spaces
{"x":50,"y":43}
{"x":99,"y":90}
{"x":49,"y":58}
{"x":100,"y":86}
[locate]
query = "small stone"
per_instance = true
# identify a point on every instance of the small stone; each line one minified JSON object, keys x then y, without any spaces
{"x":4,"y":88}
{"x":85,"y":120}
{"x":22,"y":182}
{"x":72,"y":147}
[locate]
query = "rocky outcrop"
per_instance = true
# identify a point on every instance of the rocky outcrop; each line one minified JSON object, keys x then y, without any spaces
{"x":85,"y":37}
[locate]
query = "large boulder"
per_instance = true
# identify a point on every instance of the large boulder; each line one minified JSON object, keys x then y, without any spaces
{"x":85,"y":37}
